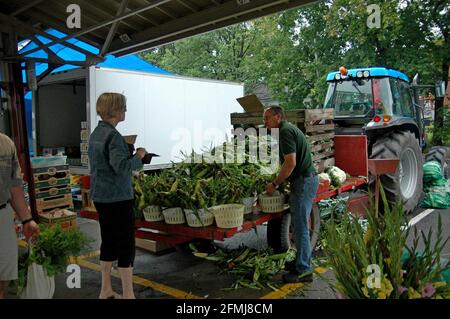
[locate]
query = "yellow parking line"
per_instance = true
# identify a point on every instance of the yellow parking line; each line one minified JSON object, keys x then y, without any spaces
{"x":290,"y":288}
{"x":283,"y":291}
{"x":90,"y":254}
{"x":143,"y":282}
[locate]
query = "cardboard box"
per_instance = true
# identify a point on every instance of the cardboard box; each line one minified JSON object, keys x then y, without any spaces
{"x":251,"y":104}
{"x":130,"y":139}
{"x":84,"y":135}
{"x":65,"y":218}
{"x":84,"y":147}
{"x":84,"y":159}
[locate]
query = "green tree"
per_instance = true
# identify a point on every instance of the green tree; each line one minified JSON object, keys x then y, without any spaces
{"x":221,"y":54}
{"x":293,"y":51}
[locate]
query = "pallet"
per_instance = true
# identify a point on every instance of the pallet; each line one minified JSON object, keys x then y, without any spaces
{"x":152,"y":245}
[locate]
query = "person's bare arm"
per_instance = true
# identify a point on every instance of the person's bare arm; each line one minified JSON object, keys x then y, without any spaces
{"x":30,"y":228}
{"x":290,"y":161}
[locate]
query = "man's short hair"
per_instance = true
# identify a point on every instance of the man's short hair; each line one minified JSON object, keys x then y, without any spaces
{"x":276,"y":110}
{"x":110,"y":104}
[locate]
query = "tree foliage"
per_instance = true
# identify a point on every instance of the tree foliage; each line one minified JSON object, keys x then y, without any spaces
{"x":292,"y":52}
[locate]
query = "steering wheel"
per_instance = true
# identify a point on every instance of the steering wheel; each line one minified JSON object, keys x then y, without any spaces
{"x":360,"y":107}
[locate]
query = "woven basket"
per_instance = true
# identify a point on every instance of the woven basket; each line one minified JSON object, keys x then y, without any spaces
{"x":272,"y":204}
{"x":248,"y":203}
{"x":152,"y":213}
{"x":229,"y":215}
{"x":174,"y":216}
{"x":206,"y":218}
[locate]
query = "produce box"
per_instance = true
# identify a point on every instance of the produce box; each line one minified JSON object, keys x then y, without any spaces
{"x":47,"y":161}
{"x":52,"y":191}
{"x":53,"y":202}
{"x":63,"y":217}
{"x":51,"y":173}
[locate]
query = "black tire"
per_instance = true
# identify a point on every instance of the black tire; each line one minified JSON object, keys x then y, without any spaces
{"x":408,"y":189}
{"x":279,"y":231}
{"x":440,"y":154}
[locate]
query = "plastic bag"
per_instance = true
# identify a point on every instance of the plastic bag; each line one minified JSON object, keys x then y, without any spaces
{"x":436,"y":197}
{"x":432,"y":174}
{"x":39,"y":284}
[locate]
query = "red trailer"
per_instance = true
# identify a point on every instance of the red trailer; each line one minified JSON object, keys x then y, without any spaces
{"x":350,"y":155}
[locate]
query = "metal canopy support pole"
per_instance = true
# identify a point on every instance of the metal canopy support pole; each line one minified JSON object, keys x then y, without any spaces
{"x":19,"y":128}
{"x":154,"y":4}
{"x":13,"y":86}
{"x":113,"y":29}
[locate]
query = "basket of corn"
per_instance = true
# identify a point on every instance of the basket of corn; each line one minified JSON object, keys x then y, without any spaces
{"x":199,"y":218}
{"x":174,"y":215}
{"x":228,"y":215}
{"x":152,"y":213}
{"x":272,"y":203}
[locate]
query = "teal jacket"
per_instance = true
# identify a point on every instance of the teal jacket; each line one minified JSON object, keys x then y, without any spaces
{"x":110,"y":165}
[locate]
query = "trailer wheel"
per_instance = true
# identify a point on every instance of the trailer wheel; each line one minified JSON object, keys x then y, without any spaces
{"x":440,"y":154}
{"x":406,"y":183}
{"x":279,"y":231}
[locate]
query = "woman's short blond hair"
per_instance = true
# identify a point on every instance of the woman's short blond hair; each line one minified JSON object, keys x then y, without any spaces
{"x":110,"y":104}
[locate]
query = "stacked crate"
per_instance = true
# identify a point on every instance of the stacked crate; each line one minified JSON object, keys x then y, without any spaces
{"x":319,"y":130}
{"x":316,"y":124}
{"x":84,"y":135}
{"x":53,"y":195}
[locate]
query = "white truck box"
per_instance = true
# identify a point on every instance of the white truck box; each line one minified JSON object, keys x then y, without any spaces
{"x":168,"y":113}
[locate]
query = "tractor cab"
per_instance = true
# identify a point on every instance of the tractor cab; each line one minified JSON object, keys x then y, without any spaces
{"x":372,"y":101}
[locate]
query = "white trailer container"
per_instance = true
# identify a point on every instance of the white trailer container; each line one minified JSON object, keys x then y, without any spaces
{"x":169,"y":114}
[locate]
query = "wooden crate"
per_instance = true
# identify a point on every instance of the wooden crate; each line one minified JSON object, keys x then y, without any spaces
{"x":51,"y":173}
{"x":86,"y":202}
{"x":152,"y":245}
{"x":319,"y":130}
{"x":53,"y":202}
{"x":52,"y":182}
{"x":316,"y":124}
{"x":53,"y":191}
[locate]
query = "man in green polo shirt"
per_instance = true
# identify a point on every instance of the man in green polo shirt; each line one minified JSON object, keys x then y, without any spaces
{"x":297,"y":167}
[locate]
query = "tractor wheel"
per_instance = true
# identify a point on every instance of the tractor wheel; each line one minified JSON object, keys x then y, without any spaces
{"x":440,"y":154}
{"x":279,"y":231}
{"x":406,"y":183}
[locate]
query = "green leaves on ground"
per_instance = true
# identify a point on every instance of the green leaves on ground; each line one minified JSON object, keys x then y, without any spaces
{"x":254,"y":269}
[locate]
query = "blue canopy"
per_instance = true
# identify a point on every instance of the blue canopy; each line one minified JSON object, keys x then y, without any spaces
{"x":128,"y":62}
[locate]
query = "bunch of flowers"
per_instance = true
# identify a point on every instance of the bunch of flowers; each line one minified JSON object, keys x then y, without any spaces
{"x":377,"y":263}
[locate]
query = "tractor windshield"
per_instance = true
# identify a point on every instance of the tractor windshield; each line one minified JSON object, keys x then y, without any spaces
{"x":350,"y":98}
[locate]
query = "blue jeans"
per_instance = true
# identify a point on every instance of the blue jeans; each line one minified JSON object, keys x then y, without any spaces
{"x":303,"y":191}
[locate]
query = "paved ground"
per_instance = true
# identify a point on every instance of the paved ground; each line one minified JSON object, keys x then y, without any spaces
{"x":178,"y":274}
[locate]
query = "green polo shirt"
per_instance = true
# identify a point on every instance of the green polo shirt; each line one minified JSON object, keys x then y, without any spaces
{"x":292,"y":140}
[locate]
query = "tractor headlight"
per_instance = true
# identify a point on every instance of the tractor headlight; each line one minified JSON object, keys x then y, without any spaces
{"x":337,"y":76}
{"x":359,"y":74}
{"x":366,"y":74}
